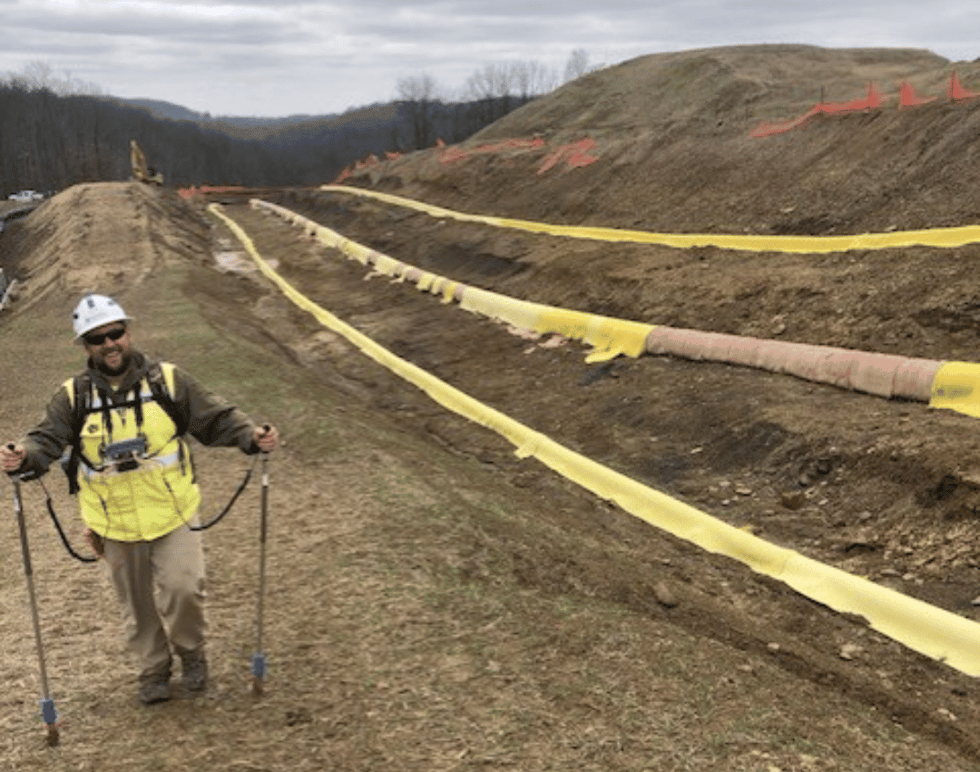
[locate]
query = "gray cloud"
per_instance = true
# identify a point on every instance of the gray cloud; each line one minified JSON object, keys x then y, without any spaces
{"x":274,"y":57}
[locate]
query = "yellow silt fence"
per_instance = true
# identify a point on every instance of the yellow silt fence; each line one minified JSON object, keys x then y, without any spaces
{"x":934,"y":632}
{"x":951,"y":385}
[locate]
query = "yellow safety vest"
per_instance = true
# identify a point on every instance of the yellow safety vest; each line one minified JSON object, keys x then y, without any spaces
{"x":138,"y":501}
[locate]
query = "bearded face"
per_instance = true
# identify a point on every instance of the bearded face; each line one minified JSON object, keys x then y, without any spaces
{"x":108,"y":347}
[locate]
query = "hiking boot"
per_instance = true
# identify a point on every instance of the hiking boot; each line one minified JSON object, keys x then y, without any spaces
{"x":195,"y":667}
{"x":155,"y":689}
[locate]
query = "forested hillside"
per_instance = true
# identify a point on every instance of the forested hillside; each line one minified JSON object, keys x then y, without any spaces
{"x":50,"y":141}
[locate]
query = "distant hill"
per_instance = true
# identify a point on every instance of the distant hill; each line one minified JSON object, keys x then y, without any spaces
{"x":174,"y":112}
{"x":166,"y":110}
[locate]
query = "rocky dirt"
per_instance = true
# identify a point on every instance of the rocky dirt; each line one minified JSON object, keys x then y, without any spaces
{"x":444,"y":605}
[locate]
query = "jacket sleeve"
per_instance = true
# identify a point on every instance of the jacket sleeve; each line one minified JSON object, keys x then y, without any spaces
{"x":211,"y":419}
{"x":47,"y":441}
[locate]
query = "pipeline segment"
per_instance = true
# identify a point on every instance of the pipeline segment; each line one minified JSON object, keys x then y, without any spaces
{"x":884,"y":375}
{"x":949,"y":385}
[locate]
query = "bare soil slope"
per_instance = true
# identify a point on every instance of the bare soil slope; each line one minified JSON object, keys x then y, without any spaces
{"x":439,"y":604}
{"x":672,"y":131}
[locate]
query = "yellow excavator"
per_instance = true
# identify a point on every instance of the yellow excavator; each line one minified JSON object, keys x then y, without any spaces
{"x":142,"y":172}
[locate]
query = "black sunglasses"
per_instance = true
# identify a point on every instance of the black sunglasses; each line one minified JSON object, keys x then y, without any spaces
{"x":98,"y":338}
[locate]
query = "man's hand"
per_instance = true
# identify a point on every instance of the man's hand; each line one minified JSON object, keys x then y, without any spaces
{"x":12,"y":457}
{"x":266,"y":437}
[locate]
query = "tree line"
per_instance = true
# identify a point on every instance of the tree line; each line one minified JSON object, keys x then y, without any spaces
{"x":50,"y":141}
{"x":59,"y":132}
{"x":489,"y":94}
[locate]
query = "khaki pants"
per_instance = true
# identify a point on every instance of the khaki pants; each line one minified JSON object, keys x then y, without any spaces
{"x":160,"y":584}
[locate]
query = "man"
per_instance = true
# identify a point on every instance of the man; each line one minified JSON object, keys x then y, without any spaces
{"x":125,"y":419}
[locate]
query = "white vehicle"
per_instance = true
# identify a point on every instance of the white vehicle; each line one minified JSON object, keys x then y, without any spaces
{"x":26,"y":196}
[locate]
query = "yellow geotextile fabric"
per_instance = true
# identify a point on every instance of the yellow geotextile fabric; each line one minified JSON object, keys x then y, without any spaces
{"x":935,"y":237}
{"x":955,"y":388}
{"x":609,"y":337}
{"x":927,"y":629}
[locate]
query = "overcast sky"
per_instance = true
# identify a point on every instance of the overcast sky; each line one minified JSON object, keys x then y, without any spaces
{"x":282,"y":57}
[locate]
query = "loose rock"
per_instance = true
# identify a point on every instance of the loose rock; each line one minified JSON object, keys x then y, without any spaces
{"x":793,"y":500}
{"x":664,"y":595}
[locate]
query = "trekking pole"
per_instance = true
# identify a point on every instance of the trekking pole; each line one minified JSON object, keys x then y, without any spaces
{"x":258,"y":659}
{"x":48,"y":710}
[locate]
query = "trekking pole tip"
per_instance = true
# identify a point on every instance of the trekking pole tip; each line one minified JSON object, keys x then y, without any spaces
{"x":49,"y":713}
{"x":259,"y":669}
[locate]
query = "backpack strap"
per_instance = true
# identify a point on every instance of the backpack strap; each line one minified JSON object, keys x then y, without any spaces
{"x":162,"y":380}
{"x":79,"y":391}
{"x":160,"y":376}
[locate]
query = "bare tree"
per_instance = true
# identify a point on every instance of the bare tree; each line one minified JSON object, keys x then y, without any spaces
{"x":577,"y":65}
{"x":38,"y":75}
{"x":491,"y":87}
{"x":417,"y":88}
{"x":532,"y":79}
{"x":418,"y":94}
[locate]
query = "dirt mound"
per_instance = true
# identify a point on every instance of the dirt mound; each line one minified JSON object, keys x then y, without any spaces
{"x":698,"y":89}
{"x":897,"y":497}
{"x":100,"y":237}
{"x":672,"y":137}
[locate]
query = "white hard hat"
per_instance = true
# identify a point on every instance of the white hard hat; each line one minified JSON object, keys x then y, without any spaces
{"x":94,"y":311}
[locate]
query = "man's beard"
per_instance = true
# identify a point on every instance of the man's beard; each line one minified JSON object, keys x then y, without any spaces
{"x":124,"y":360}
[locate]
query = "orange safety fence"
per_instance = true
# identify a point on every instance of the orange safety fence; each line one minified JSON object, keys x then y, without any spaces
{"x":908,"y":98}
{"x":874,"y":99}
{"x":455,"y":154}
{"x":574,"y":155}
{"x":370,"y":160}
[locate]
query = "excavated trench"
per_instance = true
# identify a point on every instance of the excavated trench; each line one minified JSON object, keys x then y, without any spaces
{"x":869,"y":485}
